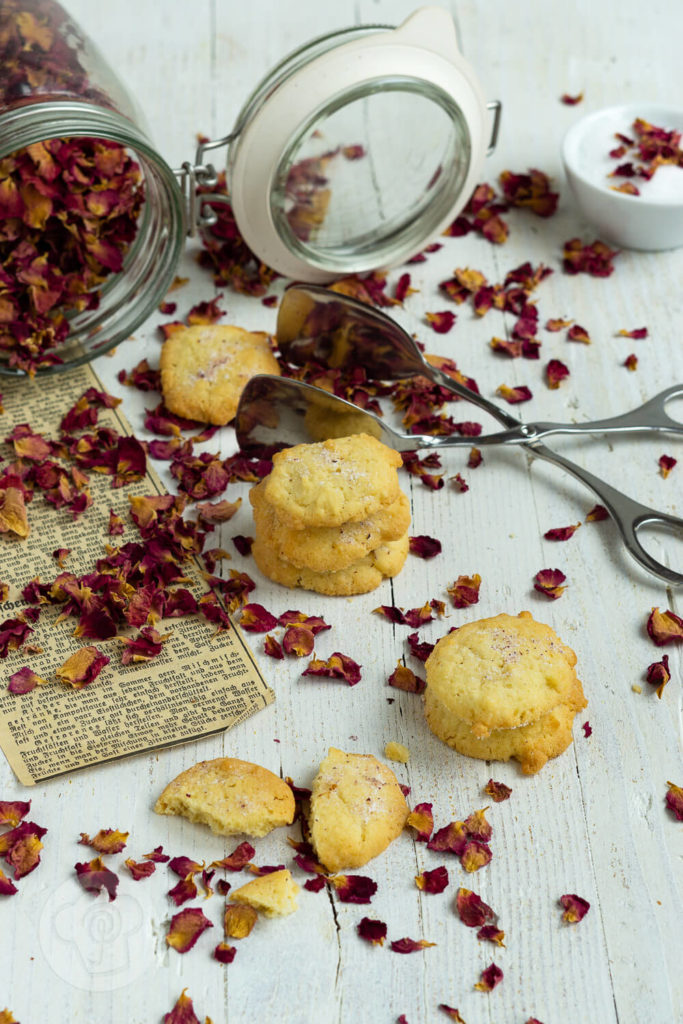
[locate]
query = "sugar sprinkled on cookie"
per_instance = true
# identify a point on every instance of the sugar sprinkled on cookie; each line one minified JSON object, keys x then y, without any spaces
{"x":230,"y":796}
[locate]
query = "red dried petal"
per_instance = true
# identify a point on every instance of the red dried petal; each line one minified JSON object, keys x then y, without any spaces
{"x":556,"y":372}
{"x":465,"y":591}
{"x":547,"y":582}
{"x":243,"y":544}
{"x":631,"y":362}
{"x":452,"y":838}
{"x":666,"y":464}
{"x":490,"y":977}
{"x":7,"y":888}
{"x":295,"y":618}
{"x":472,"y":910}
{"x":337,"y":666}
{"x":157,"y":855}
{"x":434,"y":881}
{"x":664,"y":627}
{"x":314,"y":884}
{"x":407,"y":945}
{"x":24,"y":680}
{"x":421,"y":819}
{"x":13,"y":811}
{"x":498,"y":791}
{"x":595,"y":259}
{"x":184,"y":866}
{"x":451,"y":1012}
{"x":441,"y":322}
{"x":182,"y":1012}
{"x":658,"y":674}
{"x":403,"y":678}
{"x":597,"y":514}
{"x":578,"y":333}
{"x":94,"y":877}
{"x":575,"y":908}
{"x":491,"y":933}
{"x":107,"y":840}
{"x":298,"y":640}
{"x":637,"y":334}
{"x":514,"y":395}
{"x":21,"y":847}
{"x":354,"y":888}
{"x":224,"y":953}
{"x":557,"y":325}
{"x":273,"y":648}
{"x":256,"y":619}
{"x":419,"y":649}
{"x":237,"y":860}
{"x":530,"y":190}
{"x":182,"y":891}
{"x":185,"y":928}
{"x":147,"y":645}
{"x":561,"y":532}
{"x":587,"y":731}
{"x":424,"y":546}
{"x":674,"y":800}
{"x":140,"y":869}
{"x":569,"y":100}
{"x":218,"y":512}
{"x":459,"y":483}
{"x":475,"y":855}
{"x":372,"y":930}
{"x":82,"y":667}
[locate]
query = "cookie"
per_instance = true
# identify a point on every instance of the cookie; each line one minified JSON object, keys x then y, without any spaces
{"x":205,"y":368}
{"x":356,"y":810}
{"x":332,"y":482}
{"x":500,"y":673}
{"x":532,"y":745}
{"x":273,"y":894}
{"x":329,"y":548}
{"x":358,"y":578}
{"x":230,"y":796}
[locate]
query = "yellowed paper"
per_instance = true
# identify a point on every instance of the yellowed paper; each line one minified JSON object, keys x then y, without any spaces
{"x":201,"y":683}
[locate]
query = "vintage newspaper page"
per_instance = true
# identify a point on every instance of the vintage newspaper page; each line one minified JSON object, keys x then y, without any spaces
{"x":202,"y":681}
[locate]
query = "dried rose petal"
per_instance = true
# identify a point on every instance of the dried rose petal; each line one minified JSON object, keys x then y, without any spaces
{"x":547,"y":582}
{"x":403,"y":678}
{"x":498,"y":791}
{"x":674,"y":800}
{"x":491,"y":933}
{"x":182,"y":891}
{"x":243,"y":544}
{"x":578,"y":333}
{"x":452,"y":838}
{"x":94,"y":877}
{"x":575,"y":908}
{"x":223,"y":887}
{"x":157,"y":855}
{"x":184,"y":866}
{"x":140,"y":869}
{"x":295,"y":618}
{"x":298,"y":640}
{"x":557,"y":325}
{"x":256,"y":619}
{"x":465,"y":591}
{"x":182,"y":1012}
{"x":238,"y":859}
{"x":354,"y":888}
{"x":21,"y":847}
{"x":490,"y":977}
{"x":664,"y":627}
{"x":185,"y":928}
{"x":337,"y":666}
{"x":556,"y":372}
{"x":530,"y":190}
{"x":7,"y":888}
{"x":107,"y":840}
{"x":434,"y":881}
{"x":218,"y":512}
{"x":13,"y":515}
{"x":472,"y":910}
{"x":273,"y":648}
{"x":24,"y":680}
{"x":475,"y":855}
{"x":587,"y":731}
{"x":569,"y":100}
{"x":595,"y":259}
{"x":512,"y":349}
{"x":658,"y":674}
{"x":514,"y":395}
{"x":666,"y":464}
{"x":597,"y":514}
{"x":407,"y":945}
{"x":637,"y":333}
{"x":459,"y":483}
{"x":372,"y":930}
{"x":441,"y":322}
{"x":13,"y":811}
{"x":224,"y":953}
{"x":424,"y":546}
{"x":315,"y":884}
{"x":421,"y":819}
{"x":82,"y":667}
{"x":561,"y":532}
{"x":419,"y":649}
{"x":238,"y":920}
{"x":631,"y":362}
{"x":451,"y":1012}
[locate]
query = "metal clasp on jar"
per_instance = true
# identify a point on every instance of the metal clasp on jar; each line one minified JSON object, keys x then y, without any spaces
{"x":195,"y":175}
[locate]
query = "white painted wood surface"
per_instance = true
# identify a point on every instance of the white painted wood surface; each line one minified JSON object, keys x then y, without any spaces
{"x":593,"y":822}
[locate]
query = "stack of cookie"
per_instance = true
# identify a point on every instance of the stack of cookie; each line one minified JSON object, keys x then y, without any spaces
{"x":503,"y":688}
{"x":331,"y":517}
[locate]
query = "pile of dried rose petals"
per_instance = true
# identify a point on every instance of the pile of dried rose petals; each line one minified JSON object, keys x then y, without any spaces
{"x":20,"y":845}
{"x":652,"y":146}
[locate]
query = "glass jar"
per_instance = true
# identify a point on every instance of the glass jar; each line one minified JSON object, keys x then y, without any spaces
{"x":351,"y":155}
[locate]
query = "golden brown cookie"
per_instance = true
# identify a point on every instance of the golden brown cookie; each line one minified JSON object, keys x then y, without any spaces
{"x":329,"y":548}
{"x":357,"y":809}
{"x":230,"y":796}
{"x":532,"y":745}
{"x":501,"y":672}
{"x":205,"y":368}
{"x":273,"y":894}
{"x":357,"y":578}
{"x":332,"y":482}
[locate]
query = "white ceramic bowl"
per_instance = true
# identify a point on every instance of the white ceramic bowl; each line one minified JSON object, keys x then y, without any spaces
{"x":650,"y":221}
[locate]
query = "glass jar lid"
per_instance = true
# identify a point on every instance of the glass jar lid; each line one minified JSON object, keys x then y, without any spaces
{"x":359,"y":149}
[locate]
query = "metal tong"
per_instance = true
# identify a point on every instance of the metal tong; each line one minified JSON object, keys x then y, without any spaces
{"x":316,"y":324}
